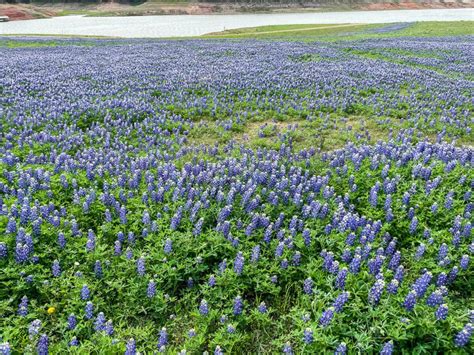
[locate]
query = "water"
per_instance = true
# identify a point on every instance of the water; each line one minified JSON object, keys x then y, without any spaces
{"x":195,"y":25}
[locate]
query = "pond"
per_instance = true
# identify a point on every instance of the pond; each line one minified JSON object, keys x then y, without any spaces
{"x":195,"y":25}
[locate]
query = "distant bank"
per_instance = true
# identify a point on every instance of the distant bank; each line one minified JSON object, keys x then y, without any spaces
{"x":27,"y":9}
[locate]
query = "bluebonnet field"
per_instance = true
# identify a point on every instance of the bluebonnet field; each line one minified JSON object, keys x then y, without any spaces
{"x":237,"y":196}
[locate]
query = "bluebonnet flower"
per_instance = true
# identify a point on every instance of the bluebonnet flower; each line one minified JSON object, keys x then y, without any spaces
{"x":413,"y":225}
{"x":192,"y":333}
{"x":131,"y":348}
{"x":34,"y":328}
{"x":5,"y":348}
{"x":109,"y":328}
{"x":308,"y":286}
{"x":239,"y":263}
{"x":453,"y":274}
{"x":85,"y":292}
{"x":61,"y":240}
{"x":435,"y":298}
{"x":21,"y":252}
{"x":346,"y":255}
{"x":238,"y":305}
{"x":376,"y":292}
{"x":296,"y":258}
{"x":117,"y":248}
{"x":393,"y":286}
{"x":168,"y":248}
{"x":340,"y":301}
{"x":340,"y":282}
{"x":375,"y":264}
{"x":341,"y":349}
{"x":176,"y":219}
{"x":190,"y":282}
{"x":141,"y":266}
{"x":56,"y":269}
{"x":387,"y":348}
{"x":410,"y":300}
{"x":420,"y":251}
{"x":99,"y":323}
{"x":448,"y":204}
{"x":308,"y":336}
{"x":306,"y":317}
{"x":131,"y":238}
{"x":462,"y":338}
{"x":230,"y":329}
{"x":287,"y":349}
{"x":151,"y":289}
{"x":222,"y":266}
{"x":373,"y":195}
{"x":350,"y":239}
{"x":255,"y":254}
{"x":98,"y":269}
{"x":123,"y":215}
{"x":203,"y":308}
{"x":11,"y":226}
{"x":3,"y":250}
{"x":421,"y":284}
{"x":443,"y":251}
{"x":307,"y":237}
{"x":442,"y":279}
{"x":355,"y":264}
{"x":198,"y":227}
{"x":89,"y":310}
{"x":464,"y":263}
{"x":71,"y":322}
{"x":23,"y":307}
{"x":163,"y":338}
{"x":224,"y":213}
{"x":91,"y":238}
{"x":218,"y":351}
{"x":442,"y":312}
{"x":73,"y":342}
{"x":279,"y":249}
{"x":43,"y":345}
{"x":262,"y":308}
{"x":326,"y":317}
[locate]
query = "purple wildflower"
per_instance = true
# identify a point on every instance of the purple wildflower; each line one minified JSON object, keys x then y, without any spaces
{"x":462,"y":338}
{"x":308,"y":336}
{"x":141,"y":267}
{"x":308,"y":286}
{"x":238,"y":305}
{"x":71,"y":322}
{"x":442,"y":312}
{"x":203,"y":308}
{"x":326,"y":317}
{"x":239,"y":263}
{"x":410,"y":300}
{"x":387,"y":348}
{"x":131,"y":348}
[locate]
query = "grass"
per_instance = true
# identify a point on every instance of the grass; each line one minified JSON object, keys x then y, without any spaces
{"x":354,"y":32}
{"x":289,"y":31}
